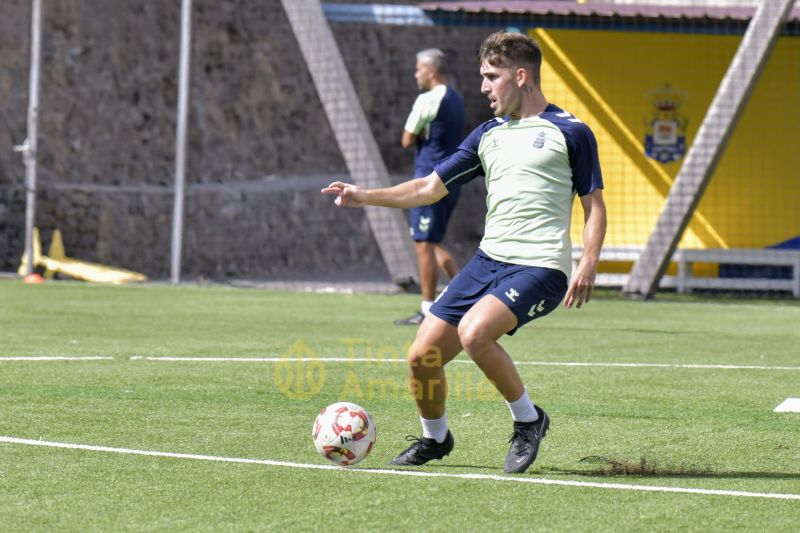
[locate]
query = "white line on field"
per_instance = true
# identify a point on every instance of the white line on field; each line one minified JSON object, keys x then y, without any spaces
{"x":465,"y":361}
{"x":412,"y":473}
{"x":354,"y":360}
{"x":54,"y":358}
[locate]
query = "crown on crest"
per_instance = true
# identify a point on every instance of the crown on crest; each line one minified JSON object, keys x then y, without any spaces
{"x":666,"y":98}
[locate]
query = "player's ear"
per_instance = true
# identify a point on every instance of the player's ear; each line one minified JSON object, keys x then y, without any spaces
{"x":522,"y":77}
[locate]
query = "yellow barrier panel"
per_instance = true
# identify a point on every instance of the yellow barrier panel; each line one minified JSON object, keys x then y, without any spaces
{"x":57,"y":262}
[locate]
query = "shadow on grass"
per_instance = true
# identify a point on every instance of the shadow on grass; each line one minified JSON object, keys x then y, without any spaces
{"x":489,"y":469}
{"x":643,"y":468}
{"x":646,"y":468}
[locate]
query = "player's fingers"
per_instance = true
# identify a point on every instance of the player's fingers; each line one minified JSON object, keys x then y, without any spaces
{"x":589,"y":293}
{"x":579,"y":301}
{"x":569,"y":296}
{"x":334,"y":188}
{"x":583,"y":293}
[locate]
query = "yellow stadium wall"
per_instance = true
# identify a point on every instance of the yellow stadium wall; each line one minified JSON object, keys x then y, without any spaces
{"x":604,"y":78}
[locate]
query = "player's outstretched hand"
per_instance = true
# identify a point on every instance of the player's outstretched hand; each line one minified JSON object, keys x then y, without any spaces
{"x":580,"y":289}
{"x":347,"y":195}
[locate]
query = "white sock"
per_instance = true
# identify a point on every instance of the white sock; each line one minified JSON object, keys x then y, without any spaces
{"x":425,"y":306}
{"x":522,"y":410}
{"x":434,"y":429}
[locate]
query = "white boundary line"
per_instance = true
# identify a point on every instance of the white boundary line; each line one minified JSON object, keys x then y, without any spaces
{"x":55,"y":358}
{"x":410,"y":473}
{"x":377,"y":361}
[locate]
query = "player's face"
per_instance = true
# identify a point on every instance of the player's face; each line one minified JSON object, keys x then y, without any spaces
{"x":423,"y":75}
{"x":500,"y":87}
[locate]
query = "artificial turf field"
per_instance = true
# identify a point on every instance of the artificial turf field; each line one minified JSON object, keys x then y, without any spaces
{"x":189,"y":411}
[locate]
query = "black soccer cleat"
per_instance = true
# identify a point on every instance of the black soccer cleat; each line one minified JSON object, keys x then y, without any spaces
{"x":525,"y":443}
{"x":424,"y":450}
{"x":413,"y":320}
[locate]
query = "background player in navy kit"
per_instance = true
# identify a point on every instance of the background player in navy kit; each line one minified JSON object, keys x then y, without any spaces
{"x":435,"y":127}
{"x":535,"y":160}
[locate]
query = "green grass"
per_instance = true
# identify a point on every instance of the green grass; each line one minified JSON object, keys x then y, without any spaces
{"x":690,"y":428}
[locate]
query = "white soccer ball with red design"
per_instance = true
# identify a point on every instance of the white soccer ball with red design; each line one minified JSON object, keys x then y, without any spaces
{"x":344,"y":433}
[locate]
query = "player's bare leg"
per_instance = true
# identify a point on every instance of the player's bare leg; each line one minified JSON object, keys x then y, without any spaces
{"x":436,"y":344}
{"x":478,"y":331}
{"x":445,"y":261}
{"x":484,"y":323}
{"x":428,"y":273}
{"x":428,"y":278}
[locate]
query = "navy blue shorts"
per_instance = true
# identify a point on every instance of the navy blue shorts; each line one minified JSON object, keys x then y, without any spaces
{"x":530,"y":292}
{"x":429,"y":222}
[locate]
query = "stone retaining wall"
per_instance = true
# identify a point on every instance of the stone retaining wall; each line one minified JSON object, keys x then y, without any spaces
{"x":259,"y":143}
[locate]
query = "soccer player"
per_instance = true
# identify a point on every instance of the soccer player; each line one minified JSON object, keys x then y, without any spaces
{"x":535,"y":158}
{"x":435,"y":127}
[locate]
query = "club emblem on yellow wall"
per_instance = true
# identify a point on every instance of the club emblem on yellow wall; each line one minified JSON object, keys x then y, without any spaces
{"x":665,"y":138}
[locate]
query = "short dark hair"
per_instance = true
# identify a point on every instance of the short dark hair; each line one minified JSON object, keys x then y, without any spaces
{"x":512,"y":50}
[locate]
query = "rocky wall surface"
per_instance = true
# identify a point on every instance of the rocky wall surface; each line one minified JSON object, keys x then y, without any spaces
{"x":252,"y":230}
{"x":259,"y":141}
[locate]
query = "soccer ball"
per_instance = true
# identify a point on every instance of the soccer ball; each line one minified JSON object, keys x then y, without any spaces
{"x":344,"y":433}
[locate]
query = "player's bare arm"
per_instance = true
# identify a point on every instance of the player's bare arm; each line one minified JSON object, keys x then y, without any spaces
{"x":412,"y":193}
{"x":408,"y":140}
{"x":583,"y":279}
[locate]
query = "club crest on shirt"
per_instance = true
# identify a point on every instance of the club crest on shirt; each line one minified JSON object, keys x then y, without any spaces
{"x":541,"y":137}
